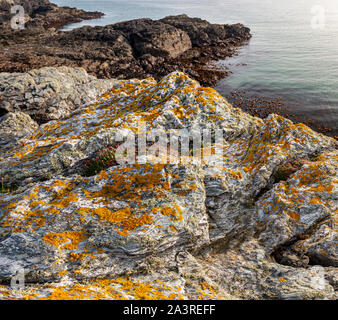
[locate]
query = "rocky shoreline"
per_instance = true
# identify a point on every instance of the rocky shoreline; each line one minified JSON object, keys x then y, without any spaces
{"x":132,"y":49}
{"x":247,"y":211}
{"x":125,"y":50}
{"x":41,"y":15}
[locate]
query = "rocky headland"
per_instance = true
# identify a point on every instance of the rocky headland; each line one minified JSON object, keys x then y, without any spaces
{"x":256,"y":222}
{"x":132,"y":49}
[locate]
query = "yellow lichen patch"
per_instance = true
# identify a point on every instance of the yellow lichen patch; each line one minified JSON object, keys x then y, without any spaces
{"x":315,"y":200}
{"x":80,"y":256}
{"x":131,"y":183}
{"x":173,"y":228}
{"x":103,"y":175}
{"x":62,"y":273}
{"x":118,"y":289}
{"x":293,"y":215}
{"x":65,"y":201}
{"x":173,"y":213}
{"x":323,"y":252}
{"x":34,"y":204}
{"x":124,"y":219}
{"x":24,"y":220}
{"x":65,"y":240}
{"x":207,"y":292}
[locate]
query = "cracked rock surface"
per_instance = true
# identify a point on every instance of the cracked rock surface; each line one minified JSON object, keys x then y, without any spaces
{"x":221,"y":228}
{"x":49,"y":93}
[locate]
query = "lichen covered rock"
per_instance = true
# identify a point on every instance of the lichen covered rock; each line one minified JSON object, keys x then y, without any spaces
{"x":177,"y":226}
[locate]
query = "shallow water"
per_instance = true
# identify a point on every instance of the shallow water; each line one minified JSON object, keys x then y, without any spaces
{"x":289,"y":55}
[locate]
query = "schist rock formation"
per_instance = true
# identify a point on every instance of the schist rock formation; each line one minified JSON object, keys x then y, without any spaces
{"x":259,"y":222}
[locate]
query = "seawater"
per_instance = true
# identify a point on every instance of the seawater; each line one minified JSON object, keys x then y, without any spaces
{"x":292,"y":54}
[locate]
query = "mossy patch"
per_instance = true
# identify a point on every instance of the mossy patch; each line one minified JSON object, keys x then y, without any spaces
{"x":285,"y":170}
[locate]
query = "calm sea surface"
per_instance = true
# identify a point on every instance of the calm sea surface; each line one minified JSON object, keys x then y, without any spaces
{"x":293,"y":53}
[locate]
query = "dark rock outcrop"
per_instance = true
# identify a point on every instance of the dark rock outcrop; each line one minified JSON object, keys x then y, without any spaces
{"x":131,"y":49}
{"x":154,"y":38}
{"x":43,"y":14}
{"x":204,"y":33}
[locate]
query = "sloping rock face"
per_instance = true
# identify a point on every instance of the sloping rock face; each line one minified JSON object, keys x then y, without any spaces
{"x":175,"y":226}
{"x":49,"y":93}
{"x":131,"y":49}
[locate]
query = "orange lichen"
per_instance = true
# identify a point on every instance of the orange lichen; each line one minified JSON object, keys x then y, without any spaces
{"x":315,"y":200}
{"x":118,"y":289}
{"x":65,"y":240}
{"x":173,"y":228}
{"x":293,"y":215}
{"x":174,"y":213}
{"x":123,"y":218}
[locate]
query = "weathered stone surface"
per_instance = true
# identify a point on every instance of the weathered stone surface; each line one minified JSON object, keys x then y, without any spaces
{"x":89,"y":225}
{"x":43,"y":14}
{"x":201,"y":32}
{"x":14,"y":126}
{"x":49,"y":93}
{"x":154,"y":38}
{"x":131,"y":49}
{"x":306,"y":200}
{"x":226,"y":227}
{"x":62,"y":145}
{"x":244,"y":270}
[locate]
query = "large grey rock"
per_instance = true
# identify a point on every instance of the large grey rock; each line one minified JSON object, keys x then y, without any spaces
{"x":49,"y":93}
{"x":14,"y":126}
{"x":213,"y":228}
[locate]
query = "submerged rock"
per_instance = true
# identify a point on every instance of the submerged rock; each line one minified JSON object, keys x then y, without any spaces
{"x":185,"y":225}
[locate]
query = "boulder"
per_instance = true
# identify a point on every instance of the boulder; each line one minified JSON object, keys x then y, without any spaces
{"x":203,"y":33}
{"x":49,"y":93}
{"x":14,"y":126}
{"x":213,"y":223}
{"x":155,"y":38}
